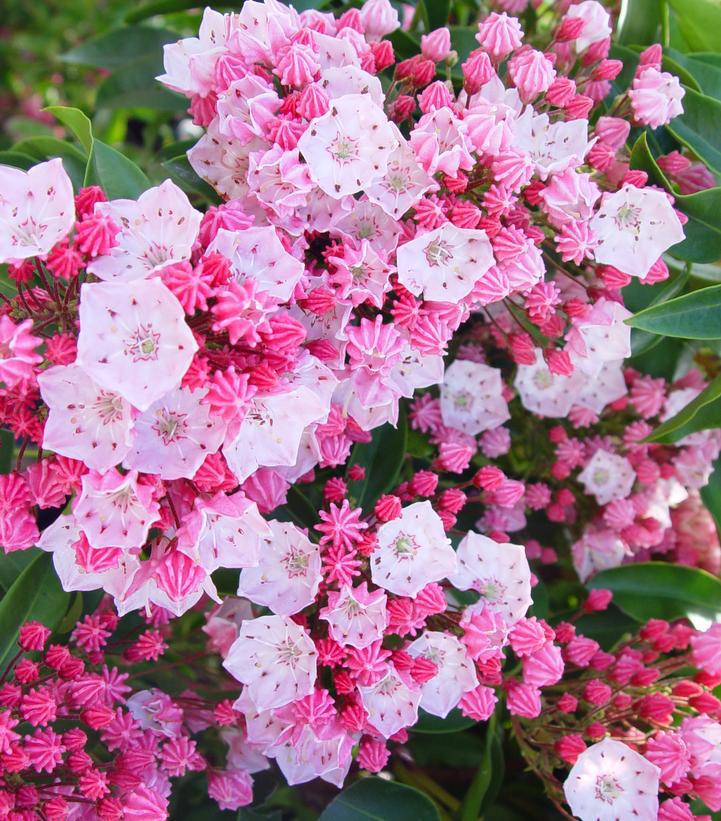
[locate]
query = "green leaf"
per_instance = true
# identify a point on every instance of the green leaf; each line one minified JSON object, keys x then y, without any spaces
{"x":638,"y":22}
{"x":17,"y":159}
{"x":608,"y":627}
{"x":404,"y":44}
{"x":134,"y":86}
{"x":711,"y":495}
{"x":699,"y":22}
{"x":7,"y":451}
{"x":699,"y":127}
{"x":463,"y":41}
{"x":184,"y":175}
{"x":705,"y":72}
{"x":658,"y":590}
{"x":454,"y":722}
{"x":382,"y":459}
{"x":701,"y":414}
{"x":170,"y":6}
{"x":488,"y":778}
{"x":45,"y":148}
{"x":437,"y":13}
{"x":703,"y":231}
{"x":12,"y":565}
{"x":36,"y":595}
{"x":692,"y":316}
{"x":121,"y":46}
{"x":380,"y":800}
{"x":118,"y":176}
{"x":642,"y":341}
{"x":76,"y":121}
{"x":298,"y":509}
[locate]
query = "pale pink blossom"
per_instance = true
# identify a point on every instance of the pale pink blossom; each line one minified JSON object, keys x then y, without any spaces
{"x":287,"y":574}
{"x":157,"y":230}
{"x":133,"y":339}
{"x":391,"y":704}
{"x":656,"y":97}
{"x":472,"y":397}
{"x":275,"y":659}
{"x":455,"y":674}
{"x":499,"y":572}
{"x":609,"y":781}
{"x":412,"y":551}
{"x":355,"y":616}
{"x":36,"y":209}
{"x":607,"y":476}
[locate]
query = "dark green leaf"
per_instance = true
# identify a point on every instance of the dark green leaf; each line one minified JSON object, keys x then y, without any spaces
{"x":454,"y":722}
{"x":404,"y":44}
{"x":638,"y":22}
{"x":699,"y":22}
{"x":7,"y":451}
{"x":711,"y":495}
{"x":183,"y":175}
{"x":701,"y":414}
{"x":489,"y":776}
{"x":638,"y":296}
{"x":608,"y":627}
{"x":36,"y":595}
{"x":382,"y":458}
{"x":76,"y":121}
{"x":45,"y":148}
{"x":658,"y":590}
{"x":298,"y":509}
{"x":134,"y":86}
{"x":699,"y":126}
{"x":692,"y":316}
{"x":17,"y":159}
{"x":147,"y":10}
{"x":13,"y":564}
{"x":118,"y":176}
{"x":437,"y":13}
{"x":463,"y":41}
{"x":706,"y":73}
{"x":121,"y":46}
{"x":381,"y":800}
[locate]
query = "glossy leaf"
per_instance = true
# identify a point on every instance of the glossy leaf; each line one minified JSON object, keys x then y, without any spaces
{"x":134,"y":86}
{"x":637,"y":297}
{"x":121,"y":46}
{"x":298,"y":509}
{"x":76,"y":121}
{"x":488,"y":778}
{"x":699,"y":22}
{"x":454,"y":722}
{"x":692,"y":316}
{"x":382,"y":458}
{"x":45,"y":148}
{"x":12,"y":565}
{"x":705,"y":73}
{"x":146,"y":10}
{"x":437,"y":13}
{"x":118,"y":176}
{"x":17,"y":159}
{"x":380,"y":800}
{"x":711,"y":495}
{"x":183,"y":175}
{"x":701,"y":414}
{"x":638,"y":22}
{"x":659,"y":590}
{"x":699,"y":127}
{"x":35,"y":595}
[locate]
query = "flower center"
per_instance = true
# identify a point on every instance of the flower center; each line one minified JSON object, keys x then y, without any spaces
{"x":608,"y":789}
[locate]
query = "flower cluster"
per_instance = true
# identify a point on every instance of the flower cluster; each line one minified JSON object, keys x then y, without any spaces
{"x":448,"y":237}
{"x":77,"y":738}
{"x":638,"y":724}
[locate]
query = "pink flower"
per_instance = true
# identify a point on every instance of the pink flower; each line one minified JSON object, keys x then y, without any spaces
{"x":355,"y":616}
{"x":669,"y":753}
{"x":390,"y":703}
{"x":455,"y":674}
{"x":707,"y":650}
{"x":499,"y":35}
{"x":133,"y":339}
{"x":17,"y":351}
{"x":610,"y":780}
{"x":436,"y":46}
{"x":656,"y":97}
{"x":276,"y":660}
{"x":36,"y":209}
{"x":412,"y":551}
{"x":287,"y":574}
